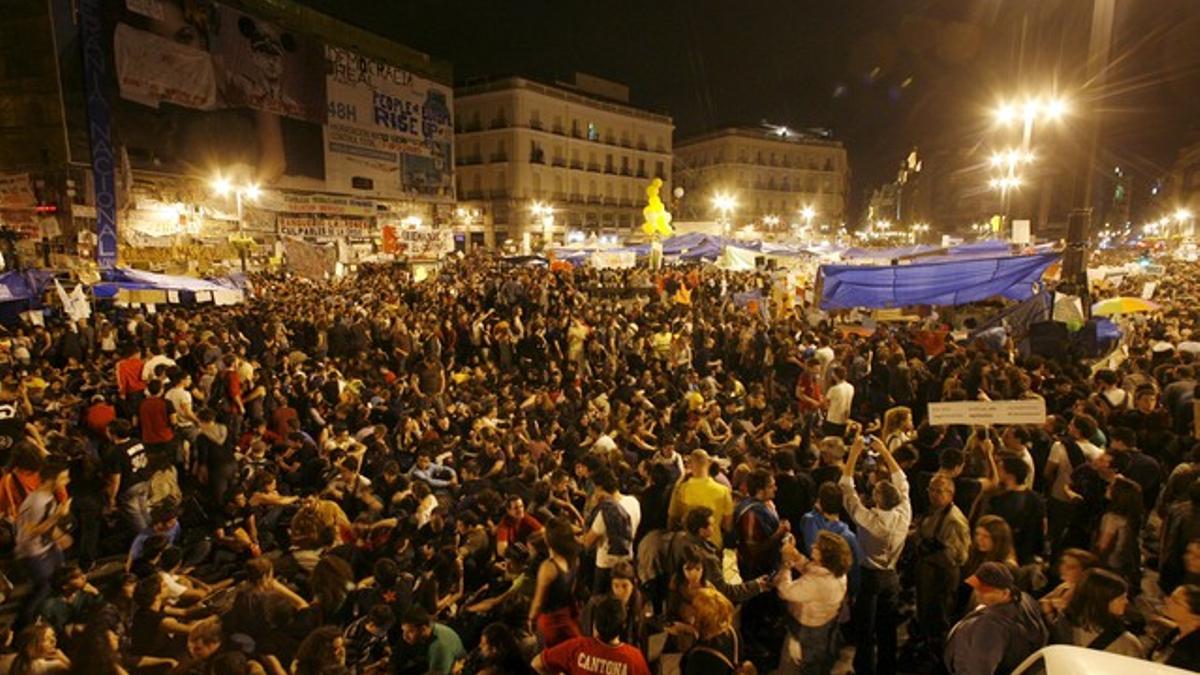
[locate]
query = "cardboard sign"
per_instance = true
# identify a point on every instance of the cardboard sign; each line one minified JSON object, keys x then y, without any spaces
{"x":1022,"y":411}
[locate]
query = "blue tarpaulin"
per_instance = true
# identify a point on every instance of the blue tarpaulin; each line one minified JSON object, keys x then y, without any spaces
{"x":993,"y":246}
{"x":24,"y":285}
{"x":887,"y":253}
{"x":123,"y":278}
{"x":951,"y":282}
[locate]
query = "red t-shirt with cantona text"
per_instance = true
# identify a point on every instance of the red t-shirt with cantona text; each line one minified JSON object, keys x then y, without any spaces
{"x":588,"y":656}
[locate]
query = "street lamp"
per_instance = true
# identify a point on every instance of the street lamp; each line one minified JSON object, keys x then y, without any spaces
{"x":1029,"y":111}
{"x":807,"y":214}
{"x":917,"y":230}
{"x":724,"y":203}
{"x":545,"y":213}
{"x":1011,"y":158}
{"x":224,"y":187}
{"x":1181,"y":216}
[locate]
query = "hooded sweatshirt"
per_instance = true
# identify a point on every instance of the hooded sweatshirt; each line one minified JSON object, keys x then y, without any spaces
{"x":996,"y":639}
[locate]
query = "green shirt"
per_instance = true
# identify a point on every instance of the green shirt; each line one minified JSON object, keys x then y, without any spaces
{"x":445,"y":649}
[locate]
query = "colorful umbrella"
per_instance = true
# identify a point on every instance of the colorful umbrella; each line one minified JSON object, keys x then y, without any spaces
{"x":1122,"y":305}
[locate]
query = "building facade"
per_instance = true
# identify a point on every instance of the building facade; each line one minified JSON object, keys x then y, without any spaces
{"x":311,"y":129}
{"x":772,"y":174}
{"x":557,"y":162}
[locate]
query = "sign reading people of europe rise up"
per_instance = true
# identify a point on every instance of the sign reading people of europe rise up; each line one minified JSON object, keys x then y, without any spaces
{"x":387,"y":125}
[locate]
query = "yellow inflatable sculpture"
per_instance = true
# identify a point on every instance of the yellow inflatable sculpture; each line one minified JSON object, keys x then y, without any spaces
{"x":657,"y":223}
{"x":657,"y":219}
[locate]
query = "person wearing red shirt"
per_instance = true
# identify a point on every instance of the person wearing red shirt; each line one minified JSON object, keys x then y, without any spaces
{"x":154,"y":415}
{"x":602,"y":654}
{"x":516,"y":526}
{"x":130,"y":385}
{"x":98,"y":415}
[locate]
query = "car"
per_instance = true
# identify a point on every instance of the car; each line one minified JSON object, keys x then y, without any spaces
{"x":1070,"y":660}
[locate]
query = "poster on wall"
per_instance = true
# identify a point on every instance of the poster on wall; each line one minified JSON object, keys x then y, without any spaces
{"x":16,"y":191}
{"x":204,"y":86}
{"x":387,"y":128}
{"x":269,"y":69}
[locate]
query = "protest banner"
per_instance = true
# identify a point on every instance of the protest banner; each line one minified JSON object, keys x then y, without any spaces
{"x":1022,"y":411}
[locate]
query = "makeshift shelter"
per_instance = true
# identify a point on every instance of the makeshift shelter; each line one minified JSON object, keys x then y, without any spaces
{"x":21,"y":291}
{"x":737,"y":259}
{"x":138,"y":286}
{"x":950,"y":282}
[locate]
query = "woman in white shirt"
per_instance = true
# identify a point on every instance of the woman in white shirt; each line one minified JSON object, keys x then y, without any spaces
{"x":814,"y":603}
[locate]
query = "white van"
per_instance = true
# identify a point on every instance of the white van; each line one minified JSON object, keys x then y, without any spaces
{"x":1069,"y":660}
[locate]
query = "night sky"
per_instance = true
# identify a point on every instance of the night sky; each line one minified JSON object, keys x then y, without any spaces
{"x":884,"y":75}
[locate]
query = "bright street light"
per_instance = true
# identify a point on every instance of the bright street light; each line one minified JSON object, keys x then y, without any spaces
{"x":1030,"y":110}
{"x":807,"y":213}
{"x":771,"y":220}
{"x":724,"y":202}
{"x":1182,"y":215}
{"x":1005,"y":183}
{"x":223,"y":186}
{"x":1011,"y":158}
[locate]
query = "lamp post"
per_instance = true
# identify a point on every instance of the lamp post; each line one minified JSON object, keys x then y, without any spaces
{"x":1182,"y":216}
{"x":545,"y":214}
{"x":770,"y":222}
{"x":724,"y":203}
{"x":241,"y":193}
{"x":917,"y":230}
{"x":807,"y":214}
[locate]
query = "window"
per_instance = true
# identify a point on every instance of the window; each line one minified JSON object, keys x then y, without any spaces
{"x":593,"y":133}
{"x":641,"y":168}
{"x":535,"y":119}
{"x":828,"y":164}
{"x":658,"y":171}
{"x":537,"y":184}
{"x":758,"y":157}
{"x":743,"y":155}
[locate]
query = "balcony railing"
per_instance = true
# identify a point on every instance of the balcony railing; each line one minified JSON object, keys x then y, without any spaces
{"x":537,"y":158}
{"x":535,"y":124}
{"x":499,"y":123}
{"x":593,"y":167}
{"x":499,"y":157}
{"x":558,"y":161}
{"x":468,"y":160}
{"x":575,"y":164}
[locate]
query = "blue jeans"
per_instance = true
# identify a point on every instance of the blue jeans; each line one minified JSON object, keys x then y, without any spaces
{"x":41,"y":569}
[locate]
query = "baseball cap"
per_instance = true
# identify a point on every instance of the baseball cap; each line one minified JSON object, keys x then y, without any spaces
{"x":992,"y":576}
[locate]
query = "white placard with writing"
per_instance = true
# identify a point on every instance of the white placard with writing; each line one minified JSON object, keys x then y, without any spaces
{"x":1022,"y":411}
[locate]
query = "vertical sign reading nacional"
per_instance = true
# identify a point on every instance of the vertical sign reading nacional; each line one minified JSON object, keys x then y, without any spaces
{"x":100,"y":132}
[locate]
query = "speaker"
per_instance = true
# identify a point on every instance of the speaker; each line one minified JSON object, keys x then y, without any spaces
{"x":1048,"y":339}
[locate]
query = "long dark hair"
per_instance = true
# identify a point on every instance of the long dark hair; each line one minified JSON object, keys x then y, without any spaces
{"x":1088,"y":607}
{"x":1126,"y":500}
{"x":314,"y":656}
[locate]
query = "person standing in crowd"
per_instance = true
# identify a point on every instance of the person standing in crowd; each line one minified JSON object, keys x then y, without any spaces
{"x":815,"y":603}
{"x":1094,"y":617}
{"x":40,"y":535}
{"x":700,"y":489}
{"x":942,"y":545}
{"x":603,"y":652}
{"x":881,"y":533}
{"x":999,"y":634}
{"x":839,"y":400}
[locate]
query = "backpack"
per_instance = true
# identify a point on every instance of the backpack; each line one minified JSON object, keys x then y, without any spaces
{"x":618,"y":527}
{"x":745,"y":506}
{"x":219,"y":392}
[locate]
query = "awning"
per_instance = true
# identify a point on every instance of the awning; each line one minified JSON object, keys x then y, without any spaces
{"x":950,"y":282}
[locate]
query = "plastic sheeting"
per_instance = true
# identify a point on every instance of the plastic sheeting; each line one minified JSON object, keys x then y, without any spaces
{"x":121,"y":279}
{"x":25,"y":285}
{"x":737,"y":259}
{"x":937,"y":283}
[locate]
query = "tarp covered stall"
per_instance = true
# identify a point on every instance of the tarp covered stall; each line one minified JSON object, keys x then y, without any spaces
{"x":138,"y":286}
{"x":737,"y":259}
{"x":931,"y":283}
{"x":22,"y":291}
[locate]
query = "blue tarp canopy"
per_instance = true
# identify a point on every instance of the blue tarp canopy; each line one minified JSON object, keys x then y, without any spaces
{"x":24,"y":285}
{"x":125,"y":279}
{"x":950,"y":282}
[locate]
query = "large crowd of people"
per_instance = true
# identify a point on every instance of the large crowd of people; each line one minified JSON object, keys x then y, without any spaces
{"x":507,"y":469}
